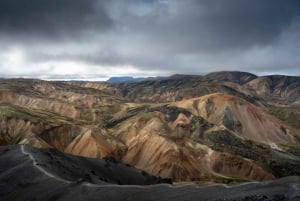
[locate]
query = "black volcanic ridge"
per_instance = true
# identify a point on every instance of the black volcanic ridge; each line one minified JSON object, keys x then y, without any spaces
{"x":31,"y":174}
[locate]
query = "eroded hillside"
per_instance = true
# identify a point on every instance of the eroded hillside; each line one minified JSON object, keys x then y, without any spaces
{"x":187,"y":128}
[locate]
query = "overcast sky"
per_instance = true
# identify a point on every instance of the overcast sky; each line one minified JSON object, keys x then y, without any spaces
{"x":90,"y":39}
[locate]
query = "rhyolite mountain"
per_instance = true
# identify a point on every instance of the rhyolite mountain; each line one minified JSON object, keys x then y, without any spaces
{"x":276,"y":94}
{"x":222,"y":127}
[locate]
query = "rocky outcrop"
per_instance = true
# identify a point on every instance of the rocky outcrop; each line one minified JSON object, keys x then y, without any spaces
{"x":283,"y":88}
{"x":241,"y":117}
{"x":96,"y":145}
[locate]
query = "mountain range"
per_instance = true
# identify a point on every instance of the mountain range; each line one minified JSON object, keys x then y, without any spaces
{"x":224,"y":127}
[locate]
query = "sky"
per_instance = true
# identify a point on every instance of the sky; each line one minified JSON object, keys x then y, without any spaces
{"x":97,"y":39}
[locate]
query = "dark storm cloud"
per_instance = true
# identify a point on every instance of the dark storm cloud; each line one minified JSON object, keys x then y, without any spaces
{"x":206,"y":25}
{"x":181,"y":35}
{"x":175,"y":36}
{"x":51,"y":18}
{"x":239,"y":23}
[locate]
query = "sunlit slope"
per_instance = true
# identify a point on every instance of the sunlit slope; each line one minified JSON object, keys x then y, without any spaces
{"x":241,"y":117}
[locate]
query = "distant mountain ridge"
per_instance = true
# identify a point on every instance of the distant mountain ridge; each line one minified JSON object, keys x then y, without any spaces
{"x":234,"y":76}
{"x":242,"y":84}
{"x":124,"y":79}
{"x":128,"y":79}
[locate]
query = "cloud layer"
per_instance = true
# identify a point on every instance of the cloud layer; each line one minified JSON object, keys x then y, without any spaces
{"x":148,"y":37}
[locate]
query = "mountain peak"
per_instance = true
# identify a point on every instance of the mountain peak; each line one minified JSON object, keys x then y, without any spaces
{"x":233,"y":76}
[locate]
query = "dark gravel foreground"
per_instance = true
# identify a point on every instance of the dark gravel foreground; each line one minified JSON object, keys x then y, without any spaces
{"x":29,"y":174}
